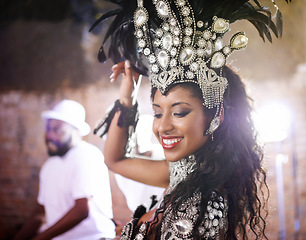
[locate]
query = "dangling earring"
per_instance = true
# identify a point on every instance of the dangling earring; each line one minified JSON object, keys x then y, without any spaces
{"x":213,"y":126}
{"x":215,"y":123}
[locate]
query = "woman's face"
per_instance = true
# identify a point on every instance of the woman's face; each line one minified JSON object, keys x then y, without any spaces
{"x":179,"y":122}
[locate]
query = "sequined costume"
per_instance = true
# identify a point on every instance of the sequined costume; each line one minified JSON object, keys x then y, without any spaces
{"x":179,"y":224}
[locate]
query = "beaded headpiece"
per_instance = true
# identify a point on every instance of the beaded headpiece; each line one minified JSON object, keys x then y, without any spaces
{"x":181,"y":41}
{"x":183,"y":50}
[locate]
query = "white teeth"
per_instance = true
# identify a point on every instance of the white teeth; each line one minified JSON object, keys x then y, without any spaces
{"x":171,"y":141}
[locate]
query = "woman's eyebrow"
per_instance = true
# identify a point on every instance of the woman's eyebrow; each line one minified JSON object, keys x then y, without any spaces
{"x":179,"y":103}
{"x":173,"y":105}
{"x":155,"y":105}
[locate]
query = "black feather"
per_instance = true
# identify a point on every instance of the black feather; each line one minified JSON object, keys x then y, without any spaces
{"x":105,"y":16}
{"x":279,"y":22}
{"x":121,"y":30}
{"x":101,"y":55}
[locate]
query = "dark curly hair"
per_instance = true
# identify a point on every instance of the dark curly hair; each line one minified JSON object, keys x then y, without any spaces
{"x":230,"y":163}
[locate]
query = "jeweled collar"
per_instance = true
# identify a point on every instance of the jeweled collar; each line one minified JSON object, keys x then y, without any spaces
{"x":179,"y":170}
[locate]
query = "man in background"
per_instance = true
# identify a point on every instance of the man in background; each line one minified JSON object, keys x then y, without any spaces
{"x":74,"y":192}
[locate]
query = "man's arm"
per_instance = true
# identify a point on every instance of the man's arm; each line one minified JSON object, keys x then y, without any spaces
{"x":31,"y":227}
{"x":72,"y":218}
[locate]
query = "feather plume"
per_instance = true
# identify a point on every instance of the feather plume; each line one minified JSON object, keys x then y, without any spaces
{"x":121,"y":30}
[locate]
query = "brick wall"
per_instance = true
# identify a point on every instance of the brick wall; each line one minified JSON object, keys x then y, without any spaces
{"x":22,"y":152}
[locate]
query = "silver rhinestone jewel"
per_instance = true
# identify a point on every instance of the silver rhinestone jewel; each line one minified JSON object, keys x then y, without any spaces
{"x":218,"y":44}
{"x":139,"y":33}
{"x":173,"y":52}
{"x":217,"y":60}
{"x":139,"y":236}
{"x":163,"y":59}
{"x":163,"y":9}
{"x":215,"y":222}
{"x":200,"y":52}
{"x":186,"y":55}
{"x":200,"y":24}
{"x":181,"y":3}
{"x":173,"y":63}
{"x":212,"y":232}
{"x":167,"y":41}
{"x":188,"y":31}
{"x":207,"y":34}
{"x":141,"y":43}
{"x":189,"y":75}
{"x":187,"y":40}
{"x":154,"y":68}
{"x":201,"y":43}
{"x":146,"y":51}
{"x":185,"y":11}
{"x":172,"y":22}
{"x":159,"y":32}
{"x":183,"y":226}
{"x":187,"y":21}
{"x":216,"y":205}
{"x":176,"y":41}
{"x":166,"y":27}
{"x":239,"y":41}
{"x":214,"y":124}
{"x":156,"y":42}
{"x":176,"y":31}
{"x":220,"y":25}
{"x":209,"y":48}
{"x":226,"y":50}
{"x":152,"y":58}
{"x":141,"y":17}
{"x":194,"y":66}
{"x":143,"y":227}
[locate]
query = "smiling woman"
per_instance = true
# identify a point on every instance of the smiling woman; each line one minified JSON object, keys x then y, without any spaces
{"x":212,"y":172}
{"x":201,"y":173}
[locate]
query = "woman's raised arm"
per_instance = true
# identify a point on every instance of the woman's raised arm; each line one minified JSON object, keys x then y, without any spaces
{"x":146,"y":171}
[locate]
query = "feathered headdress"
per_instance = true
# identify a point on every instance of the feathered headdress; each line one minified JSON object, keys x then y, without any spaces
{"x":181,"y":41}
{"x":121,"y":30}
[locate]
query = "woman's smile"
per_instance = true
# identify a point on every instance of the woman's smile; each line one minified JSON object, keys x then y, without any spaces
{"x":169,"y":142}
{"x":179,"y":122}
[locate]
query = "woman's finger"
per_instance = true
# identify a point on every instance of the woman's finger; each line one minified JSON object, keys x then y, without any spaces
{"x":128,"y":71}
{"x":117,"y":70}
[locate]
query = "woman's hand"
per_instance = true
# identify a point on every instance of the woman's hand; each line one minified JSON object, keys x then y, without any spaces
{"x":130,"y":77}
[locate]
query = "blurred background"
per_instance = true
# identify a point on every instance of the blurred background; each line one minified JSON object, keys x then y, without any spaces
{"x":47,"y":54}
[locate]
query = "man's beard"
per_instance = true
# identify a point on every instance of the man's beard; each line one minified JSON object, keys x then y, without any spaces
{"x":62,"y":148}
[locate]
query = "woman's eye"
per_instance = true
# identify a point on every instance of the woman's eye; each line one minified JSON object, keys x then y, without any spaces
{"x":181,"y":114}
{"x":157,"y":115}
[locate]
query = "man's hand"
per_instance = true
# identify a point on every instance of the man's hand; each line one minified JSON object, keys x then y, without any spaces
{"x":31,"y":227}
{"x":72,"y":218}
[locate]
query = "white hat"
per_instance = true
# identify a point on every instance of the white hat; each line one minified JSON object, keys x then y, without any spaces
{"x":70,"y":112}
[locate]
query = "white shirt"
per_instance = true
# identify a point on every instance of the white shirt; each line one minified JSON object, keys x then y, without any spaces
{"x":80,"y":173}
{"x":137,"y":193}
